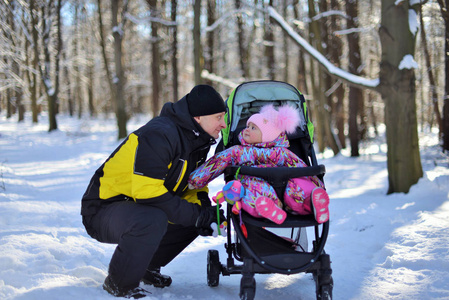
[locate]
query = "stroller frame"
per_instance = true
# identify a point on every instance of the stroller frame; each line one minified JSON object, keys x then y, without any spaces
{"x":242,"y":249}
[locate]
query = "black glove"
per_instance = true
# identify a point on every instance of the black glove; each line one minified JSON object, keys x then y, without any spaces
{"x":204,"y":198}
{"x":208,"y":215}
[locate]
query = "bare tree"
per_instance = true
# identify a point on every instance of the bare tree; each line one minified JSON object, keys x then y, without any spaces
{"x":433,"y":85}
{"x":444,"y":7}
{"x":197,"y":51}
{"x":119,"y":76}
{"x":49,"y":11}
{"x":243,"y":52}
{"x":269,"y":44}
{"x":155,"y":57}
{"x":355,"y":64}
{"x":209,"y":50}
{"x":174,"y":7}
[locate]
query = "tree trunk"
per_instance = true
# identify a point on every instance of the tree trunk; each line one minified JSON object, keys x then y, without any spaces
{"x":444,"y":6}
{"x":338,"y":95}
{"x":15,"y":68}
{"x":50,"y":87}
{"x":397,"y":86}
{"x":323,"y":122}
{"x":433,"y":85}
{"x":197,"y":41}
{"x":355,"y":94}
{"x":243,"y":56}
{"x":269,"y":45}
{"x":155,"y":59}
{"x":34,"y":84}
{"x":285,"y":40}
{"x":174,"y":61}
{"x":210,"y":40}
{"x":104,"y":55}
{"x":119,"y":78}
{"x":301,"y":74}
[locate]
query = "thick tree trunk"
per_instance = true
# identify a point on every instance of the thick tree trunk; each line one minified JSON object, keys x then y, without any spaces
{"x":398,"y":91}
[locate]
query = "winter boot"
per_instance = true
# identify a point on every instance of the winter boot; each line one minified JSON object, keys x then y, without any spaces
{"x":111,"y":287}
{"x":155,"y":278}
{"x":320,"y":204}
{"x":268,"y":209}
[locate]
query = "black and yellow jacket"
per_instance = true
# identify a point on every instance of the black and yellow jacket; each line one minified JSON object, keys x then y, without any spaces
{"x":152,"y":166}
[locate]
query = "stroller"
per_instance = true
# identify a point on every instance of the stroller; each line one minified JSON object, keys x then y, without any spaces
{"x":259,"y":249}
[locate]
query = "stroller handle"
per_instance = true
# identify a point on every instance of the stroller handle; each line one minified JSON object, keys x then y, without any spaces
{"x":276,"y":174}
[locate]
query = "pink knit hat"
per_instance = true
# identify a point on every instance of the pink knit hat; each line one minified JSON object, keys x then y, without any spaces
{"x":272,"y":122}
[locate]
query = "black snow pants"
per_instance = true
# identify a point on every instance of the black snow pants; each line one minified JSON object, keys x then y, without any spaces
{"x":144,"y":236}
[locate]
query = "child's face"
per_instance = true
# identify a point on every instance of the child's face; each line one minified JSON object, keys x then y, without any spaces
{"x":252,"y":134}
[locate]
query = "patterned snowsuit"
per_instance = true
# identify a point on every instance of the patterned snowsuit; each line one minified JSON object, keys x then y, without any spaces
{"x":269,"y":154}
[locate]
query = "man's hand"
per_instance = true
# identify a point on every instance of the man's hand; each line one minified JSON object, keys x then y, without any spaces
{"x":208,"y":216}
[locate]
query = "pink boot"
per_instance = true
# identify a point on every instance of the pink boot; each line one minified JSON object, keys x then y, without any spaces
{"x":320,"y":204}
{"x":268,"y":209}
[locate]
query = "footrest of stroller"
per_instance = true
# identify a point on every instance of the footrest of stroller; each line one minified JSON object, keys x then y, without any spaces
{"x":290,"y":221}
{"x":289,"y":261}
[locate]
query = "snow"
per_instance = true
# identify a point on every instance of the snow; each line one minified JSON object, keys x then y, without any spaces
{"x":413,"y":21}
{"x":408,"y":62}
{"x":381,"y":247}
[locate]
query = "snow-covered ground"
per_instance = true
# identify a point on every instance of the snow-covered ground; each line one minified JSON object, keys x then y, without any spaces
{"x":381,"y":247}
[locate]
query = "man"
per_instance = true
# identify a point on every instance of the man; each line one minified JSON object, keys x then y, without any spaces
{"x":138,"y":198}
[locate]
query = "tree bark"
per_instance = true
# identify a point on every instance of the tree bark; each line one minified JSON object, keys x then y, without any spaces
{"x":197,"y":56}
{"x":397,"y":87}
{"x":210,"y":40}
{"x":104,"y":55}
{"x":51,"y":88}
{"x":433,"y":86}
{"x":155,"y":59}
{"x":269,"y":45}
{"x":444,"y":7}
{"x":355,"y":97}
{"x":119,"y":78}
{"x":174,"y":61}
{"x":34,"y":84}
{"x":243,"y":52}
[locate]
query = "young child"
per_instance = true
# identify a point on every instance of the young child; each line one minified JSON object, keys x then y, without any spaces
{"x":264,"y":143}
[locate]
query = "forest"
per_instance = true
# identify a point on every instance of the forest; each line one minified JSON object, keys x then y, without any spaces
{"x":361,"y":65}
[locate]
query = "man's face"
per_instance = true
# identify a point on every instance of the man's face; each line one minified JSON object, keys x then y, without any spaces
{"x":252,"y":134}
{"x":212,"y":124}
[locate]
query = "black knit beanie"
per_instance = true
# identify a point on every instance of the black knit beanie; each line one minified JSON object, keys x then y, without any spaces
{"x":204,"y":100}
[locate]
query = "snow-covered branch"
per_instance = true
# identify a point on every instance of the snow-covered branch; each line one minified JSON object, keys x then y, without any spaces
{"x":147,"y":20}
{"x":215,"y":78}
{"x":330,"y":68}
{"x":225,"y":17}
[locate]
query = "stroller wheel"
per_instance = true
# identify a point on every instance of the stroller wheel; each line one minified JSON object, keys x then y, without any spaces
{"x":323,"y":279}
{"x":213,"y":268}
{"x":247,"y":289}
